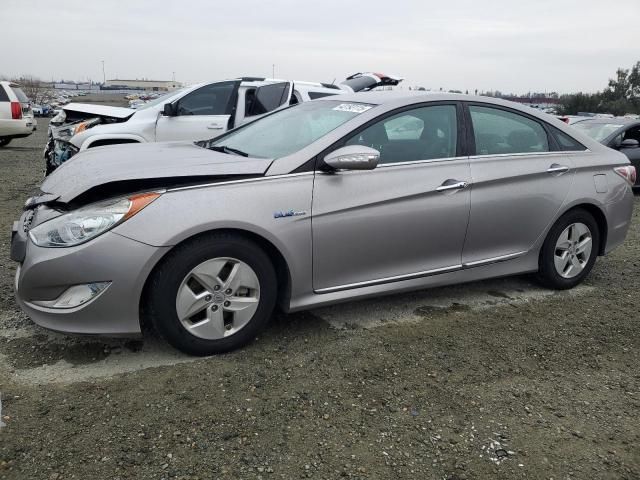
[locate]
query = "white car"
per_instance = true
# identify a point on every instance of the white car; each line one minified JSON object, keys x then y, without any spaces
{"x":16,"y":116}
{"x":200,"y":112}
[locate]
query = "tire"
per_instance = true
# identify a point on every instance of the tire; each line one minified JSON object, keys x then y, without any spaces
{"x":4,"y":141}
{"x":563,"y":261}
{"x":188,"y":273}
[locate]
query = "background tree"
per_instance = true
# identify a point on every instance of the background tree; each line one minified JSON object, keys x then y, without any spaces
{"x":621,"y":96}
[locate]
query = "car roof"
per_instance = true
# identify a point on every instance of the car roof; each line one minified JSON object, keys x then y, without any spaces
{"x":611,"y":121}
{"x":399,"y":98}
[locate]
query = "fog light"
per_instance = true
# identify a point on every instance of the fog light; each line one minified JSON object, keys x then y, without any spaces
{"x":75,"y":296}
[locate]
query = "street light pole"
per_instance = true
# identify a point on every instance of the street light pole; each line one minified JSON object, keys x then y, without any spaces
{"x":104,"y":77}
{"x":273,"y":70}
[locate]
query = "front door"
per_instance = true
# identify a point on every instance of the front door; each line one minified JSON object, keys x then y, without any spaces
{"x":202,"y":114}
{"x":519,"y":184}
{"x":406,"y":218}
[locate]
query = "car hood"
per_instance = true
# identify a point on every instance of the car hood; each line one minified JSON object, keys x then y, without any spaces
{"x":99,"y":110}
{"x":120,"y":169}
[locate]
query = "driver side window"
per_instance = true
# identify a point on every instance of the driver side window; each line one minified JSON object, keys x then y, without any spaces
{"x":423,"y":133}
{"x":214,"y":99}
{"x":633,"y":134}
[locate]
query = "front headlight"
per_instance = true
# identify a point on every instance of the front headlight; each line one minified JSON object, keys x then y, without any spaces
{"x":88,"y":222}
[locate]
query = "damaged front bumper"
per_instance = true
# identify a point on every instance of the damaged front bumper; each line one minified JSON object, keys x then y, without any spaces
{"x":59,"y":148}
{"x":56,"y":152}
{"x":91,"y":288}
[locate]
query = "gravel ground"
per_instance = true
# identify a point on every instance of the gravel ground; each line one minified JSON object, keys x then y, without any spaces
{"x":498,"y":379}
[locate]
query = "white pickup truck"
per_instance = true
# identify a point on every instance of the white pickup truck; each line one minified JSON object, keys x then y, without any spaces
{"x":199,"y":112}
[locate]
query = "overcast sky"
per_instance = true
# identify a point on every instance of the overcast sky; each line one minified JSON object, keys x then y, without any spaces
{"x":508,"y":45}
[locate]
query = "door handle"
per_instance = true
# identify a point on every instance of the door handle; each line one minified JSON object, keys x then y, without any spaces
{"x":452,"y":186}
{"x":555,"y":168}
{"x":215,"y":126}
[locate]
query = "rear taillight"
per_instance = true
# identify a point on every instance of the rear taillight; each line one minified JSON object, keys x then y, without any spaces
{"x":628,"y":172}
{"x":16,"y":110}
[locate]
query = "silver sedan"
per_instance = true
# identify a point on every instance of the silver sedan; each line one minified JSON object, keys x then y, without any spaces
{"x":323,"y":202}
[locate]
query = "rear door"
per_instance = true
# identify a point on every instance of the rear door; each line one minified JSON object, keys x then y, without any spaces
{"x":201,"y":114}
{"x":519,"y":183}
{"x":262,"y":100}
{"x":406,"y":218}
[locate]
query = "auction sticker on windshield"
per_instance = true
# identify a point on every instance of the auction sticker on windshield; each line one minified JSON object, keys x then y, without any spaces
{"x":353,"y":107}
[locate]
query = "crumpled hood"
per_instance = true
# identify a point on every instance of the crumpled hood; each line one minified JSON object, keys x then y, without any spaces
{"x":99,"y":110}
{"x":101,"y":166}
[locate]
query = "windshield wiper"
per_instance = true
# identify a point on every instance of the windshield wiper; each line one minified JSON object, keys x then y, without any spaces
{"x":225,"y":149}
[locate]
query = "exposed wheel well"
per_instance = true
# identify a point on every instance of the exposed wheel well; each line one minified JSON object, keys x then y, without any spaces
{"x":112,"y":141}
{"x":600,"y":219}
{"x":279,"y":263}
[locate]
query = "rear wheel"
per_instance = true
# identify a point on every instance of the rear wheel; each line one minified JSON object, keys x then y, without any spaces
{"x":570,"y":250}
{"x":4,"y":141}
{"x":213,"y":294}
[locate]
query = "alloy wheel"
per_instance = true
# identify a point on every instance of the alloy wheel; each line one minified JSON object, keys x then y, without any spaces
{"x":573,"y":250}
{"x":218,"y":298}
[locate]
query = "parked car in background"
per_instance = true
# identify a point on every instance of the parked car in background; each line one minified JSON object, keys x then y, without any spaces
{"x":350,"y":196}
{"x":16,"y":116}
{"x":620,"y":133}
{"x":571,"y":119}
{"x":42,"y":110}
{"x":202,"y":111}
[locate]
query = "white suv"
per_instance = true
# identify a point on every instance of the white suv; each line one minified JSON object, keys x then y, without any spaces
{"x":16,"y":116}
{"x":200,"y":112}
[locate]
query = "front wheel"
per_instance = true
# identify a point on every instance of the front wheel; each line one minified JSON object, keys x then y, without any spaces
{"x":570,"y":250}
{"x":4,"y":141}
{"x":212,"y":294}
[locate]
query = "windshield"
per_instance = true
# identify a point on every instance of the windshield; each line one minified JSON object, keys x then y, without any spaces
{"x":160,"y":99}
{"x":597,"y":131}
{"x":289,"y":130}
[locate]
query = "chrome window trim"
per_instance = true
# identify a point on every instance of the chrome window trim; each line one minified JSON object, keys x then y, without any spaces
{"x":418,"y":162}
{"x":529,"y":154}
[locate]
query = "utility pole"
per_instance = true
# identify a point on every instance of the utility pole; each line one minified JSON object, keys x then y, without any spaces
{"x":104,"y":77}
{"x":174,"y":76}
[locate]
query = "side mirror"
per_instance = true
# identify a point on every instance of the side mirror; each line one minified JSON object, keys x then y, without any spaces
{"x":170,"y":110}
{"x":353,"y":157}
{"x":629,"y":143}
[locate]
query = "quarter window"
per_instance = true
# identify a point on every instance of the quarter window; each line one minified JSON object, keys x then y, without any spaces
{"x":565,"y":142}
{"x":498,"y":132}
{"x":423,"y":133}
{"x":214,"y":99}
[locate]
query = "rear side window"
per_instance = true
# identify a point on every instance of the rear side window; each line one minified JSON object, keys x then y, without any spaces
{"x":22,"y":98}
{"x":314,"y":95}
{"x":214,"y":99}
{"x":499,"y":132}
{"x":566,"y":142}
{"x":3,"y":94}
{"x":266,"y":98}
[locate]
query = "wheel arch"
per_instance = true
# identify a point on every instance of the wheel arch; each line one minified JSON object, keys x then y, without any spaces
{"x":600,"y":218}
{"x":280,"y":264}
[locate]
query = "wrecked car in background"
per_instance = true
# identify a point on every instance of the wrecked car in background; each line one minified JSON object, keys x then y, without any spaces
{"x":199,"y":112}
